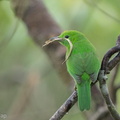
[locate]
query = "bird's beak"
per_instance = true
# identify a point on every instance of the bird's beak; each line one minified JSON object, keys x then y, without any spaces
{"x":52,"y":40}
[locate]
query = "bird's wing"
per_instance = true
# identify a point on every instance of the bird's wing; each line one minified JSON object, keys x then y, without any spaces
{"x":86,"y":62}
{"x":92,"y":65}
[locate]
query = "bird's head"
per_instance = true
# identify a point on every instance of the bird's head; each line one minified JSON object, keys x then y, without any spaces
{"x":66,"y":38}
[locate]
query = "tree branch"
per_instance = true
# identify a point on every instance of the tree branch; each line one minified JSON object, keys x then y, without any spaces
{"x":108,"y":66}
{"x":105,"y":68}
{"x":105,"y":93}
{"x":65,"y":107}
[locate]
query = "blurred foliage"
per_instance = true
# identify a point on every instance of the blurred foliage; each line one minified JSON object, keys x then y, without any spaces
{"x":21,"y":57}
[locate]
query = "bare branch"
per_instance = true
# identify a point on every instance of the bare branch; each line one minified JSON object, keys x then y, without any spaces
{"x":105,"y":93}
{"x":116,"y":59}
{"x":108,"y":66}
{"x":114,"y":62}
{"x":102,"y":78}
{"x":65,"y":107}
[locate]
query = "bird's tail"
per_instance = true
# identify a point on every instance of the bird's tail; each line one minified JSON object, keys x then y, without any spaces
{"x":84,"y":93}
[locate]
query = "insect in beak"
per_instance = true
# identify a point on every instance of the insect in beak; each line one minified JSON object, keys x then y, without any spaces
{"x":52,"y":40}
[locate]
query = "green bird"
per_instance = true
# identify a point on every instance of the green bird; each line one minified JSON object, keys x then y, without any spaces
{"x":82,"y":63}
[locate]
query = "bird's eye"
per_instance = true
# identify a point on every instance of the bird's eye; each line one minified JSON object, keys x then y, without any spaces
{"x":67,"y":36}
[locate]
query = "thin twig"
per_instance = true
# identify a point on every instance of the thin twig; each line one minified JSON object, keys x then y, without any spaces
{"x":116,"y":59}
{"x":65,"y":107}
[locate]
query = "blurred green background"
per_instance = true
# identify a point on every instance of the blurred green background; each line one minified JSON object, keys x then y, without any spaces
{"x":24,"y":64}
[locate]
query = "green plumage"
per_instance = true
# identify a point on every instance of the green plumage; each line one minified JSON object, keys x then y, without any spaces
{"x":82,"y":64}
